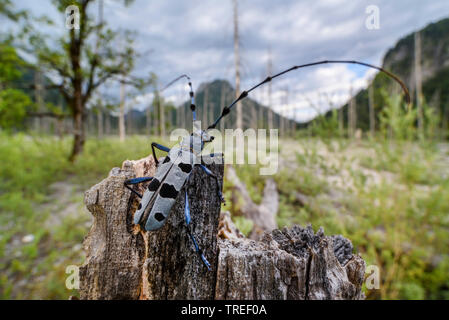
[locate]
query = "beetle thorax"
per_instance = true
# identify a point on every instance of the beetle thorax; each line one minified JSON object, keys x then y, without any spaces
{"x":193,"y":143}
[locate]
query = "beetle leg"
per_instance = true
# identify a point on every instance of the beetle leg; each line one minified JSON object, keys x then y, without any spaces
{"x":192,"y":237}
{"x":160,"y":147}
{"x":136,"y":181}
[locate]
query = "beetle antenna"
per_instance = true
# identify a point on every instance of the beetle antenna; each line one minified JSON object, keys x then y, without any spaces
{"x":192,"y":95}
{"x":245,"y":93}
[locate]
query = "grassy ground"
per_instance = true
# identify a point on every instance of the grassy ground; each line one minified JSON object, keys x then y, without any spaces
{"x":42,"y":217}
{"x":391,"y":200}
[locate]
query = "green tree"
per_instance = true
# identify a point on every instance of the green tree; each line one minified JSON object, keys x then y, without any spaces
{"x":83,"y":58}
{"x":13,"y":107}
{"x":13,"y":102}
{"x":397,"y":120}
{"x":8,"y":11}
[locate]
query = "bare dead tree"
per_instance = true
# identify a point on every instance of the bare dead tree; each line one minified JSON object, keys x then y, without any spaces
{"x":372,"y":118}
{"x":239,"y":114}
{"x":418,"y":80}
{"x":121,"y":118}
{"x":222,"y":103}
{"x":270,"y":102}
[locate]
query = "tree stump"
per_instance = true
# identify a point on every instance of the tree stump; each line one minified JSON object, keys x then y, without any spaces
{"x":125,"y":262}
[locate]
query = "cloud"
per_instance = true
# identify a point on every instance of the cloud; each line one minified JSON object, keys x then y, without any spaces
{"x":196,"y":37}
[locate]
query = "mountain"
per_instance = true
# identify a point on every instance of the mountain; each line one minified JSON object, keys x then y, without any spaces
{"x":400,"y":61}
{"x":27,"y":80}
{"x":211,"y":97}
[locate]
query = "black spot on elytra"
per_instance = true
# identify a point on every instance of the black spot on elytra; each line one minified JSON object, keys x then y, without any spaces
{"x":154,"y":184}
{"x":186,"y":167}
{"x":159,"y":216}
{"x":139,"y":207}
{"x":168,"y":191}
{"x":167,"y":159}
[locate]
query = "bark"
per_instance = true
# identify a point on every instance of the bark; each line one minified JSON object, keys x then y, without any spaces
{"x":124,"y":262}
{"x":77,"y":103}
{"x":292,"y":263}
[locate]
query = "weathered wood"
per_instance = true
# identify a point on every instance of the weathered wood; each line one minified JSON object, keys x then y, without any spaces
{"x":263,"y":215}
{"x":115,"y":251}
{"x":293,"y":263}
{"x":227,"y":229}
{"x":125,"y":262}
{"x":173,"y":269}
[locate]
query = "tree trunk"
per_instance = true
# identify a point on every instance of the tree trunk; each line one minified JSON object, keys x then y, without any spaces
{"x":148,"y":121}
{"x":270,"y":102}
{"x":205,"y":110}
{"x":121,"y":119}
{"x":372,"y":117}
{"x":161,"y":116}
{"x":108,"y":123}
{"x":239,"y":114}
{"x":100,"y":123}
{"x":79,"y":136}
{"x":125,"y":262}
{"x":418,"y":80}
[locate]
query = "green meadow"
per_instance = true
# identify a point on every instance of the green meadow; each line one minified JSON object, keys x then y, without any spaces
{"x":391,"y":199}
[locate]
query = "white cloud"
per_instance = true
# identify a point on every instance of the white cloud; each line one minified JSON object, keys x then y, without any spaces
{"x":195,"y":37}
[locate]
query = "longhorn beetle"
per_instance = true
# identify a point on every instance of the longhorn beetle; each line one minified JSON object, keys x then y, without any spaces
{"x":173,"y":173}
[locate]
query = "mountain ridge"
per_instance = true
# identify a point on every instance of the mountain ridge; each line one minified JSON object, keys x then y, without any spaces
{"x":399,"y":59}
{"x":213,"y":96}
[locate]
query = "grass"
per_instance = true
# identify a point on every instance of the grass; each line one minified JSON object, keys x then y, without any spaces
{"x":30,"y":165}
{"x":390,"y":199}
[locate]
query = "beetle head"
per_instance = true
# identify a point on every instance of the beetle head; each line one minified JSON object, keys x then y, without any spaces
{"x":206,"y":137}
{"x":196,"y":141}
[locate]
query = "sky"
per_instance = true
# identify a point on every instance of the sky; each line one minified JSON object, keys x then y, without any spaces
{"x":195,"y":37}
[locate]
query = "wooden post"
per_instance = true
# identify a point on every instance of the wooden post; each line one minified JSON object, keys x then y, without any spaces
{"x":125,"y":262}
